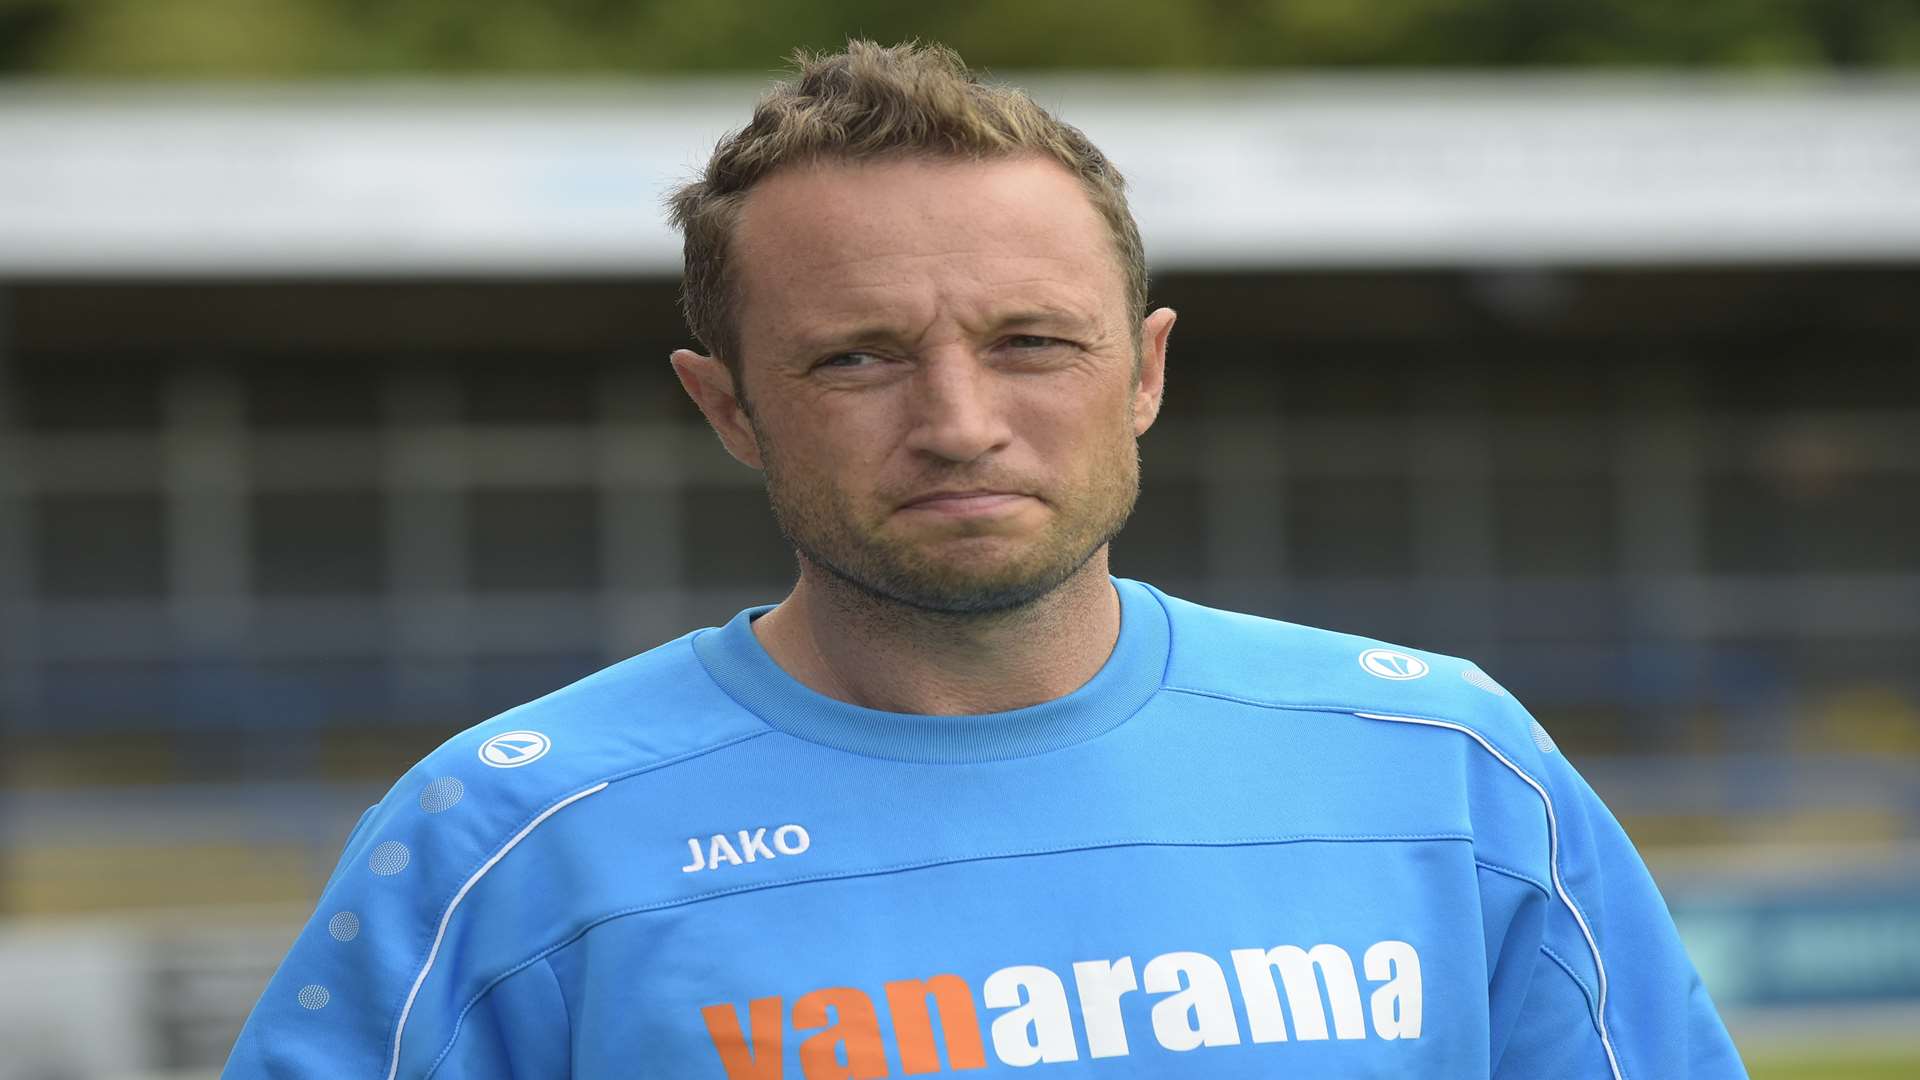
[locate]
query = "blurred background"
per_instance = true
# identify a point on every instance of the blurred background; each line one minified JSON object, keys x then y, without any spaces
{"x":1579,"y":338}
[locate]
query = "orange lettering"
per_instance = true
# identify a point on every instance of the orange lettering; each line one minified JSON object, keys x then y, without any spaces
{"x":854,"y":1024}
{"x":913,"y":1026}
{"x":761,"y":1060}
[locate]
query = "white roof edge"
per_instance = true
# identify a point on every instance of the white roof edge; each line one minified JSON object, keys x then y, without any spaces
{"x":1233,"y":171}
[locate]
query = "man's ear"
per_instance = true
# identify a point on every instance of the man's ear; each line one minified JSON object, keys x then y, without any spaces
{"x":1152,"y":383}
{"x":709,"y":382}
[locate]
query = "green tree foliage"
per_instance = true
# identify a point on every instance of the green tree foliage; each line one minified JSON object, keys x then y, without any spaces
{"x":303,"y":38}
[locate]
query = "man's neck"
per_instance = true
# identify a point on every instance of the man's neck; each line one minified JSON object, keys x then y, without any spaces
{"x":882,"y":655}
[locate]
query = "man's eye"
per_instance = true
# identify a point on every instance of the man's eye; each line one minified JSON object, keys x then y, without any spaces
{"x":1032,"y":341}
{"x":848,"y":359}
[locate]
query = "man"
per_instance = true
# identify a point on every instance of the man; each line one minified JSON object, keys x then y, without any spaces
{"x":963,"y":802}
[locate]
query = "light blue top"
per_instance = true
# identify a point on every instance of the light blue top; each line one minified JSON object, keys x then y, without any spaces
{"x":1244,"y":848}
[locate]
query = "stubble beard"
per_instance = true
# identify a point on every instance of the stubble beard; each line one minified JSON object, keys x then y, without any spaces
{"x":867,"y":566}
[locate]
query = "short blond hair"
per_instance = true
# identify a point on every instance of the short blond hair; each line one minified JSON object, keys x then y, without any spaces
{"x":873,"y":102}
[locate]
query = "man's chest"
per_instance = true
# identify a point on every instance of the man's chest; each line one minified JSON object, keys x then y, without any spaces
{"x":1347,"y":958}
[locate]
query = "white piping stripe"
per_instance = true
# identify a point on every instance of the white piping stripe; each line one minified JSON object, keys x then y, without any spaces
{"x":1553,"y":863}
{"x":393,"y":1068}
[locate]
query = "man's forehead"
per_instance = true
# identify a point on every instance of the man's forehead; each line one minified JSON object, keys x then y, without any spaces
{"x":837,"y":239}
{"x":981,"y":283}
{"x":825,"y":214}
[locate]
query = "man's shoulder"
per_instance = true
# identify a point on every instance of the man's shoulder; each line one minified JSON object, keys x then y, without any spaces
{"x":448,"y":822}
{"x":633,"y":714}
{"x":643,"y":714}
{"x":1269,"y":662}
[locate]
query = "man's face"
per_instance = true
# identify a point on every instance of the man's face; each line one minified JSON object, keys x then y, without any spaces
{"x":941,"y":375}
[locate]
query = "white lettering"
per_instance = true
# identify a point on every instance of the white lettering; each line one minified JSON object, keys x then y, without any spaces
{"x":1100,"y":983}
{"x":1266,"y":1022}
{"x":720,"y":851}
{"x":755,"y":843}
{"x":1300,"y":971}
{"x":1038,"y":1028}
{"x":1033,"y":1021}
{"x":791,"y":840}
{"x":720,"y":848}
{"x":1396,"y":1005}
{"x":1200,"y":1011}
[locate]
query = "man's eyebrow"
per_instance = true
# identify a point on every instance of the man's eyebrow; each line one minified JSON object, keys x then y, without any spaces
{"x":845,"y":337}
{"x":880,"y":332}
{"x":1053,"y":316}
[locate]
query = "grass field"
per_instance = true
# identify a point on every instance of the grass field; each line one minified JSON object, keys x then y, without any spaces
{"x":1815,"y":1067}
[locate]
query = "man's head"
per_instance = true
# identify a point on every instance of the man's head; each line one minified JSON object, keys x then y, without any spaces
{"x":942,"y":338}
{"x":867,"y":104}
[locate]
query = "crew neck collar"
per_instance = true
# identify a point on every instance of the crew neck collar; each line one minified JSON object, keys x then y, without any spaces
{"x":1131,"y":675}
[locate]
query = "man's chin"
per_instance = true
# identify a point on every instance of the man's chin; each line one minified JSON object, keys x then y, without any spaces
{"x":960,"y":585}
{"x":981,"y":597}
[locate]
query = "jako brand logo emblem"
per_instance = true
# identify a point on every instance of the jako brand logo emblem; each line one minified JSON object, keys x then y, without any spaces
{"x":514,"y":749}
{"x":1387,"y":664}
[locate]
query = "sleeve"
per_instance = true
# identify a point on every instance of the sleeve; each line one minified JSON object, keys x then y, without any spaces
{"x":1607,"y":991}
{"x":339,"y":999}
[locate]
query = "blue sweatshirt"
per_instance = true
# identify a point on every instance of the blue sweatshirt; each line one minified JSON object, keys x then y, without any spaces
{"x":1245,"y":848}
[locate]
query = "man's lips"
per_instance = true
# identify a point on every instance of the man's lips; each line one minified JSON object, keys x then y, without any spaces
{"x":965,"y":503}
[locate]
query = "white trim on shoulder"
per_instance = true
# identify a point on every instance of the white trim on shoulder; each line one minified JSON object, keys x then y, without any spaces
{"x":393,"y":1068}
{"x":1553,"y":863}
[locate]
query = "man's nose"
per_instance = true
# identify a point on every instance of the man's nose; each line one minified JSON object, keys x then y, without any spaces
{"x":958,"y":407}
